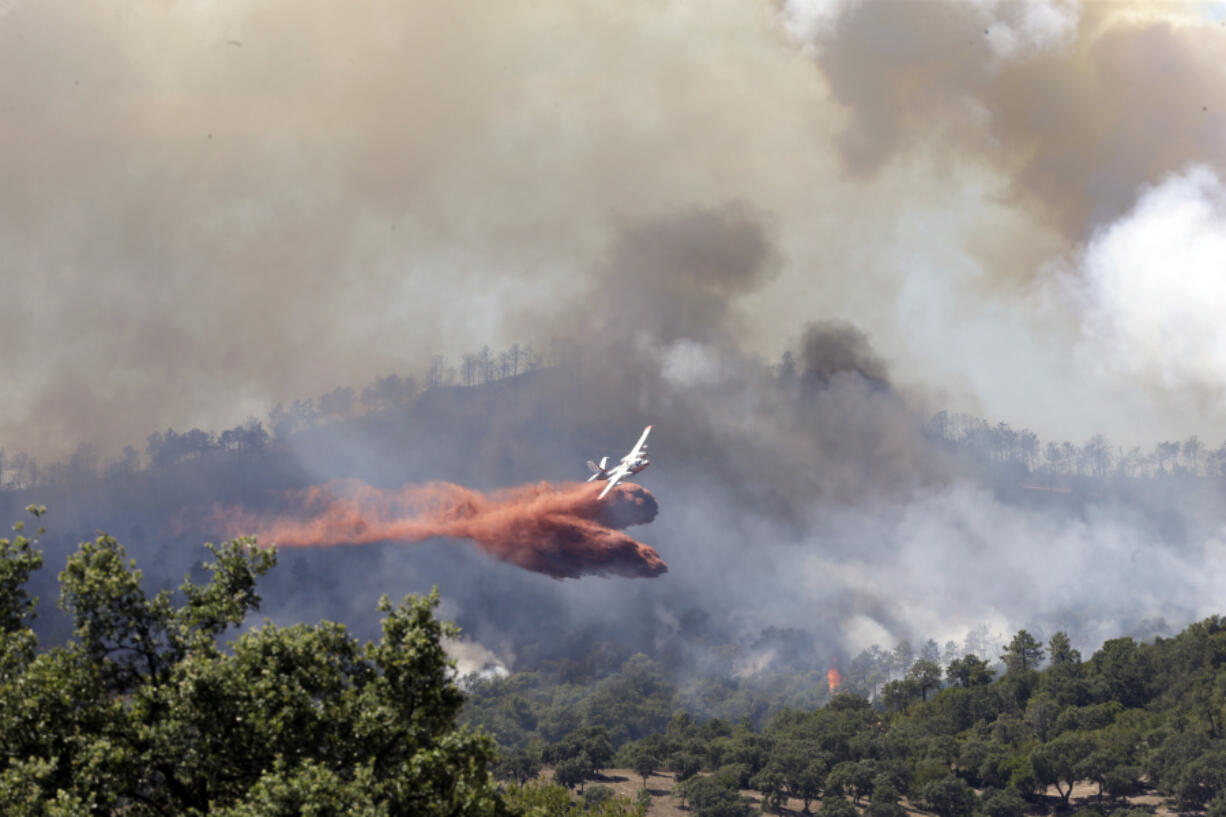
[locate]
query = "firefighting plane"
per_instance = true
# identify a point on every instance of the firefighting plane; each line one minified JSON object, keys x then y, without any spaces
{"x":630,"y":464}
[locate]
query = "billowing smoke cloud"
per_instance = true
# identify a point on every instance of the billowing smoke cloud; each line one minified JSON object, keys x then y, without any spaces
{"x":213,"y":207}
{"x":563,"y":531}
{"x":1080,"y":105}
{"x":471,"y":657}
{"x":830,"y":347}
{"x":200,"y":197}
{"x":679,"y":277}
{"x":1152,"y":291}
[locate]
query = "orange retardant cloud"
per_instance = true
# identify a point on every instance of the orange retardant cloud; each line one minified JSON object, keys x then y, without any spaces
{"x":560,"y":530}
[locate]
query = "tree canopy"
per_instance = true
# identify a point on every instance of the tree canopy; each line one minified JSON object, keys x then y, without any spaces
{"x":143,"y":711}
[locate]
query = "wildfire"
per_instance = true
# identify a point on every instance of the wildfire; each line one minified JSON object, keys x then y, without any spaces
{"x":834,"y":678}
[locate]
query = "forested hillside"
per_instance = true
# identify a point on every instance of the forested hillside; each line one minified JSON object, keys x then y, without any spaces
{"x":798,"y":545}
{"x":159,"y":704}
{"x":146,"y":711}
{"x":850,"y":497}
{"x":976,"y":736}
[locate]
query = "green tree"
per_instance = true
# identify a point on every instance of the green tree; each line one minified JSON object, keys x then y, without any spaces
{"x":771,"y":783}
{"x":1024,"y":652}
{"x":850,"y":777}
{"x":18,"y":559}
{"x":1065,"y":676}
{"x":1003,"y":803}
{"x":595,"y":795}
{"x":590,"y":742}
{"x":708,"y":796}
{"x":1122,"y":781}
{"x":645,"y":764}
{"x":1121,"y":671}
{"x":142,"y":712}
{"x":1041,"y":713}
{"x":803,"y":772}
{"x":1058,"y":762}
{"x":949,"y":797}
{"x":573,"y":771}
{"x":884,"y":800}
{"x":899,"y":695}
{"x":1202,"y":781}
{"x":1060,"y":651}
{"x":685,"y":765}
{"x":835,"y":806}
{"x":520,"y":765}
{"x":926,"y":675}
{"x":968,"y":671}
{"x":1216,"y":807}
{"x":541,"y":799}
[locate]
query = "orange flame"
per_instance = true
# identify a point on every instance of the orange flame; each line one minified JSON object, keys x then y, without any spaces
{"x":562,"y":531}
{"x":834,"y":678}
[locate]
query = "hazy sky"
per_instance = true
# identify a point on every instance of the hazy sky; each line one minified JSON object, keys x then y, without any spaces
{"x":207,"y":207}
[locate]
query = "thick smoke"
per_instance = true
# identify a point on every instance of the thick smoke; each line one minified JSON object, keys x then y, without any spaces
{"x":1151,"y":289}
{"x":199,"y":229}
{"x":830,"y":347}
{"x":679,"y":277}
{"x":563,"y":531}
{"x":1081,"y":104}
{"x":201,"y":197}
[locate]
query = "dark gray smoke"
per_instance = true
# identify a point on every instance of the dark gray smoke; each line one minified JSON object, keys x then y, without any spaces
{"x":197,"y":230}
{"x":805,"y":501}
{"x":1080,"y":104}
{"x":679,"y":277}
{"x":830,"y":347}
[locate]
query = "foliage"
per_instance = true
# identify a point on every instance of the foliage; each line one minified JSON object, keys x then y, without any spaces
{"x":541,"y":799}
{"x":949,"y":797}
{"x":709,"y":796}
{"x":645,"y":764}
{"x":837,"y":807}
{"x":595,"y":795}
{"x":142,"y":712}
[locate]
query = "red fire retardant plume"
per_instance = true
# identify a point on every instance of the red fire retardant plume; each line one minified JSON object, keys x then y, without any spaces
{"x":561,"y":530}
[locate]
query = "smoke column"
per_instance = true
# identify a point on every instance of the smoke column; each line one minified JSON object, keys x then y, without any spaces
{"x":563,"y":530}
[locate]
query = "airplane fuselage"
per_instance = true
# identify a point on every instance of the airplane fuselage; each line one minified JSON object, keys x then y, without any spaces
{"x":631,"y":464}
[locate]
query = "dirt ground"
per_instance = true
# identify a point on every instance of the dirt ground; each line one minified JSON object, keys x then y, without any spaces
{"x":626,"y":783}
{"x":1085,"y":794}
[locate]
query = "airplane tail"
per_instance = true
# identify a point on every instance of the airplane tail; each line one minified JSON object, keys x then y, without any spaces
{"x":597,"y":470}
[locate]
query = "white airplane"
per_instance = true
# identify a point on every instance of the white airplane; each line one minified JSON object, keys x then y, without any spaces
{"x":630,"y":464}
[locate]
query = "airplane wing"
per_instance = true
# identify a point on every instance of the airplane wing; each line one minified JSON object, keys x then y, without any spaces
{"x":608,"y":486}
{"x":615,"y":476}
{"x":638,"y":447}
{"x":627,"y":464}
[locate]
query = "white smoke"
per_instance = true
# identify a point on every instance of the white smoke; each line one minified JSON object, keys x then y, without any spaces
{"x":1152,"y":287}
{"x":471,"y":657}
{"x":688,"y":363}
{"x":958,"y":558}
{"x":1013,"y":28}
{"x":1017,"y":28}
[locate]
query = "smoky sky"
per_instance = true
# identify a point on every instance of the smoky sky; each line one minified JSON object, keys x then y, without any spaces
{"x":1082,"y":104}
{"x":210,"y":208}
